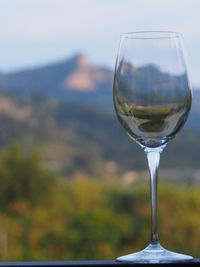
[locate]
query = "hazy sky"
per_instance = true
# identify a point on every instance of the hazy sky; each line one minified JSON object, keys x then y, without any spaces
{"x":35,"y":32}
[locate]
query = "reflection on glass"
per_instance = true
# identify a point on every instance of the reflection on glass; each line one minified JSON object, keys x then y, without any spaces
{"x":151,"y":105}
{"x":152,"y":98}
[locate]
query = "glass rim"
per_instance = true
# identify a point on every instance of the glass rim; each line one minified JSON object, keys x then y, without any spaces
{"x":151,"y":35}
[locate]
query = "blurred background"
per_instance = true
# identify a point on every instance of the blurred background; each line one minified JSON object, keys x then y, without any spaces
{"x":73,"y":184}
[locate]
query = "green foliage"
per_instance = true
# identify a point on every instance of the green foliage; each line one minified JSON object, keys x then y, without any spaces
{"x":22,"y":177}
{"x":48,"y":218}
{"x":73,"y":215}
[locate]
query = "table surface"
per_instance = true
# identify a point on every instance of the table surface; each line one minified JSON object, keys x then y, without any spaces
{"x":89,"y":263}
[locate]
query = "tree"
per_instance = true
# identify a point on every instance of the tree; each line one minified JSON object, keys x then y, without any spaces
{"x":23,"y":177}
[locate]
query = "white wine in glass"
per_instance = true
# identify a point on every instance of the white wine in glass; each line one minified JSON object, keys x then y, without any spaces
{"x":152,"y":98}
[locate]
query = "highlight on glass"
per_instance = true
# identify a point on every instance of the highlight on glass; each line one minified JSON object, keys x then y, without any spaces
{"x":152,"y":98}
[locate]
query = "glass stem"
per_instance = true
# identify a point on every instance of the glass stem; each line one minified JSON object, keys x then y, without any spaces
{"x":153,"y":157}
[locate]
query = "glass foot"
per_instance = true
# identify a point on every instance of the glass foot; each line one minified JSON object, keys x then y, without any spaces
{"x":154,"y":253}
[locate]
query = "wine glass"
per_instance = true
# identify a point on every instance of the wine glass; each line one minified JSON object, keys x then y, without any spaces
{"x":152,"y":98}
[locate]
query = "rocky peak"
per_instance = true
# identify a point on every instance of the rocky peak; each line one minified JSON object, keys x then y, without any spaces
{"x":81,"y":61}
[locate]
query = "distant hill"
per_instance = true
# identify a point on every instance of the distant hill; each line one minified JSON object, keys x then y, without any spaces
{"x":78,"y":81}
{"x":77,"y":138}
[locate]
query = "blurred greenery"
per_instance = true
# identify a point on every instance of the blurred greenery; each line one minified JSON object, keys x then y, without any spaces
{"x":44,"y":216}
{"x":63,"y":195}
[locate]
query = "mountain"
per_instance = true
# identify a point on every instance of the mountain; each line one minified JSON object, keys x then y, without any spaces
{"x":78,"y":133}
{"x":75,"y":80}
{"x":78,"y":81}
